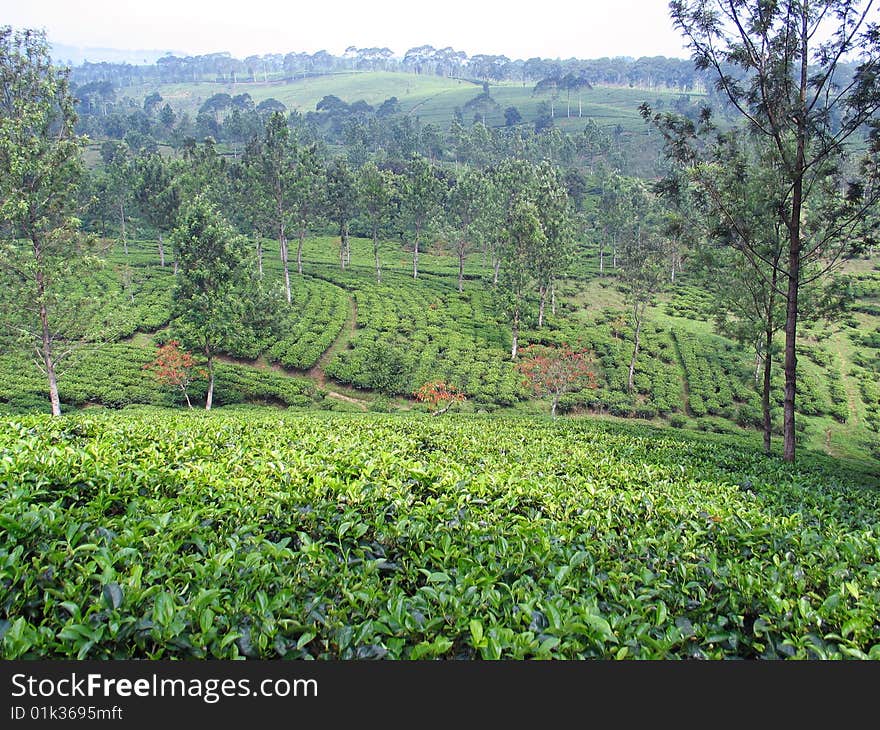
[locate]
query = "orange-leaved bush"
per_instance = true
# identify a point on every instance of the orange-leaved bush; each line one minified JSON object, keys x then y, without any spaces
{"x":555,"y":371}
{"x":175,"y":367}
{"x":440,"y":395}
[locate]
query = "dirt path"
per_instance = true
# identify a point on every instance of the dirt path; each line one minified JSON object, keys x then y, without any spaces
{"x":317,"y":372}
{"x":848,"y":386}
{"x":685,"y":386}
{"x":345,"y":334}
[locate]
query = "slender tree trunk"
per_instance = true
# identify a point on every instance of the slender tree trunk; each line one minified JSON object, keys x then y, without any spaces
{"x":175,"y":266}
{"x":515,"y":346}
{"x":299,"y":249}
{"x":186,"y":395}
{"x":789,"y":435}
{"x":209,"y":399}
{"x":495,"y":267}
{"x":542,"y":291}
{"x":460,"y":269}
{"x":554,"y":404}
{"x":630,"y":383}
{"x":161,"y":251}
{"x":48,"y":358}
{"x":260,"y":255}
{"x":765,"y":391}
{"x":376,"y":255}
{"x":416,"y":255}
{"x":343,"y":242}
{"x":553,"y":297}
{"x":601,"y":258}
{"x":122,"y":221}
{"x":282,"y":246}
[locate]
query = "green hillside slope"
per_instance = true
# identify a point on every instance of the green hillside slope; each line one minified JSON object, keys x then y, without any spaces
{"x":347,"y":342}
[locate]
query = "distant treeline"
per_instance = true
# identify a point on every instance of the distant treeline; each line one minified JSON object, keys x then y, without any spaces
{"x":649,"y":72}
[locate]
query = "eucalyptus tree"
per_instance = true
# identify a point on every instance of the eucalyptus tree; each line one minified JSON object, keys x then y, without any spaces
{"x":421,"y":197}
{"x":557,"y":220}
{"x":118,"y":171}
{"x":376,"y":191}
{"x":342,"y":204}
{"x":309,"y":192}
{"x":524,"y":236}
{"x":277,"y":162}
{"x":41,"y":161}
{"x":642,"y":259}
{"x":782,"y":68}
{"x":157,"y":195}
{"x":466,"y":204}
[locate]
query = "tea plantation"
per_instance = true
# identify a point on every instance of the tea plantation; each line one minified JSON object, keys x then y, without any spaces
{"x":255,"y":533}
{"x":378,"y":343}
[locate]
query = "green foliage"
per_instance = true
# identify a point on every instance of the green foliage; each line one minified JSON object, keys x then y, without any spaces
{"x":252,"y":534}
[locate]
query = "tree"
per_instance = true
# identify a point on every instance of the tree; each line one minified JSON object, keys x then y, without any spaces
{"x":466,"y":203}
{"x":552,"y":257}
{"x":555,"y":371}
{"x":308,"y":193}
{"x":439,"y":395}
{"x":376,"y":189}
{"x":749,"y":305}
{"x":40,"y":159}
{"x":342,"y":204}
{"x":782,"y":67}
{"x":157,"y":195}
{"x":277,"y":165}
{"x":175,"y":367}
{"x":421,"y":193}
{"x":512,"y":117}
{"x":642,"y":262}
{"x":118,"y":166}
{"x":209,"y":289}
{"x":524,"y":236}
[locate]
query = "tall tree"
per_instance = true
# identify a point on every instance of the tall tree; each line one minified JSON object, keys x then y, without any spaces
{"x":308,"y":193}
{"x":40,"y":159}
{"x":342,"y":205}
{"x":552,"y":258}
{"x":376,"y":189}
{"x":524,"y":236}
{"x":157,"y":195}
{"x":422,"y":193}
{"x":208,"y":293}
{"x":278,"y":176}
{"x":781,"y":65}
{"x":466,"y":204}
{"x":118,"y":166}
{"x":642,"y":261}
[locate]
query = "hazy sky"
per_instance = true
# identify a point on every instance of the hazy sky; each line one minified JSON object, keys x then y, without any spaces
{"x":518,"y":29}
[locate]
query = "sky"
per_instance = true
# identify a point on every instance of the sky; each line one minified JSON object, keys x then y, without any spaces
{"x":517,"y":29}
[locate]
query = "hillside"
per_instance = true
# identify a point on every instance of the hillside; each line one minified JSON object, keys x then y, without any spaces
{"x":347,"y":342}
{"x":432,"y":99}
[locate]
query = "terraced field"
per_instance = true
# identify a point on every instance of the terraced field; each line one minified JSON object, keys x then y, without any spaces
{"x":378,"y":343}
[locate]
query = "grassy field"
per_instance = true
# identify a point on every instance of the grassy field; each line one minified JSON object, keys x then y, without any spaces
{"x":431,"y":98}
{"x":252,"y":533}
